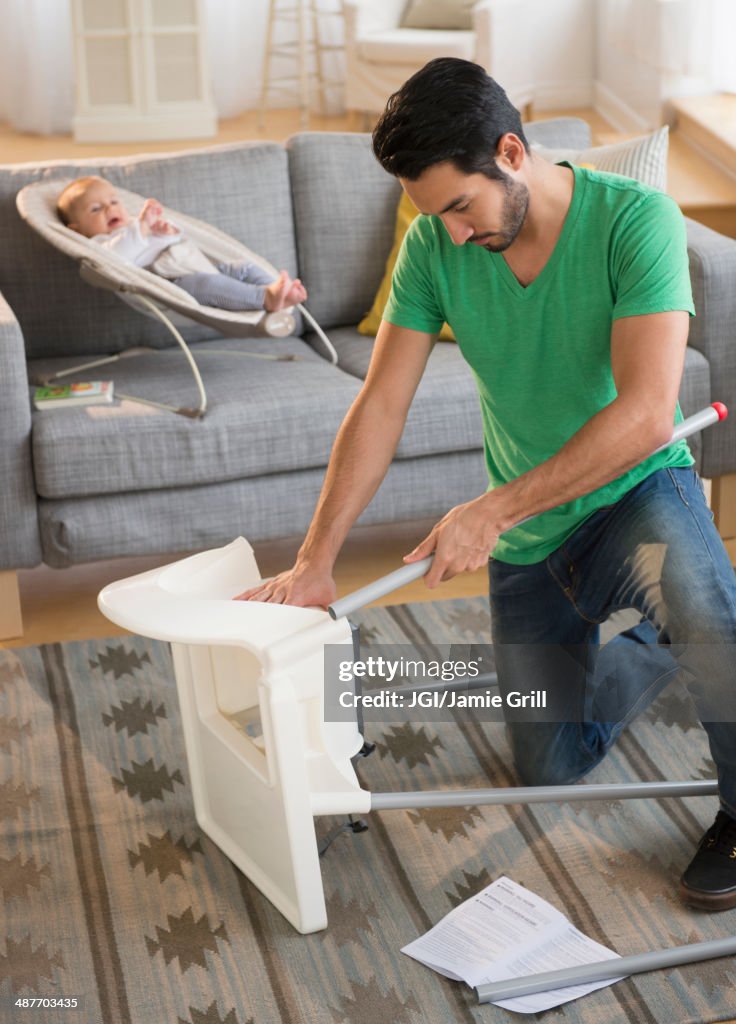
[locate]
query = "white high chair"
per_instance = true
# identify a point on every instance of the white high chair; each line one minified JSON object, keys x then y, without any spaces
{"x":250,"y":680}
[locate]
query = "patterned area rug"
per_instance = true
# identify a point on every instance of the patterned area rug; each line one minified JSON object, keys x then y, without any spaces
{"x":112,"y":894}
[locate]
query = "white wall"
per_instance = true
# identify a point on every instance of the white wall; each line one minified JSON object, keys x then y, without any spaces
{"x":237,"y":38}
{"x":647,"y":53}
{"x":563,"y":40}
{"x":627,"y":87}
{"x":623,"y":56}
{"x":37,"y":66}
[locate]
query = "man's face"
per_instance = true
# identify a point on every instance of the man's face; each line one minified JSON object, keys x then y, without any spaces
{"x":473,"y":208}
{"x":98,"y":211}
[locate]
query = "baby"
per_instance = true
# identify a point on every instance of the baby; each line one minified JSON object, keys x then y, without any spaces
{"x":91,"y":206}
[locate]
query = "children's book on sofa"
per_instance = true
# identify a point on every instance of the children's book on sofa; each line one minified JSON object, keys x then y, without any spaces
{"x":62,"y":396}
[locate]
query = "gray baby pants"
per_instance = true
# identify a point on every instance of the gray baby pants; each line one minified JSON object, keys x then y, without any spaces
{"x":236,"y":286}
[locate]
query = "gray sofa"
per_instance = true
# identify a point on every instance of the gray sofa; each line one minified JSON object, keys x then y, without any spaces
{"x":87,"y":484}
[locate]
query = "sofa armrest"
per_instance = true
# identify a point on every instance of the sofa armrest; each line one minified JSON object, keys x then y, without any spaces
{"x":713,"y":333}
{"x":559,"y":133}
{"x":20,"y":544}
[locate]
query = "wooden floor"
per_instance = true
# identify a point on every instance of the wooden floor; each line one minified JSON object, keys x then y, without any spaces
{"x":704,"y":189}
{"x":60,"y":605}
{"x":20,"y":147}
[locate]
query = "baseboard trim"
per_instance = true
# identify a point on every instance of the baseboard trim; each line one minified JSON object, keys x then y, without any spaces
{"x":618,"y":113}
{"x":562,"y":95}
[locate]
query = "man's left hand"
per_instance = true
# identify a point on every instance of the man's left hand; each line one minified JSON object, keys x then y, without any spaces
{"x":461,"y":541}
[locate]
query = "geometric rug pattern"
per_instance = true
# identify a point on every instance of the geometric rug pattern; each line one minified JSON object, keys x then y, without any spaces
{"x":110,"y":893}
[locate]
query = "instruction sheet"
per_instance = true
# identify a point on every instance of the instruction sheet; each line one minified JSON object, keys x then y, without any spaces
{"x":506,"y":931}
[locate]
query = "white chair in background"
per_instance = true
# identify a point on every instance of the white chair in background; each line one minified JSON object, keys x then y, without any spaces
{"x":380,"y":55}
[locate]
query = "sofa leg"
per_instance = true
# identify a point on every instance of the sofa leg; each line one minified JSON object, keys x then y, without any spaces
{"x":11,"y":622}
{"x":723,"y":503}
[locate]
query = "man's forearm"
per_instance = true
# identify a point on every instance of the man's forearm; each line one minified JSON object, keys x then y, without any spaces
{"x":361,"y":455}
{"x":614,"y":441}
{"x":647,"y":357}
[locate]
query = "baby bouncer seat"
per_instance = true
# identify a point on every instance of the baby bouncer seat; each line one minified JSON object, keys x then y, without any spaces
{"x":153,"y":295}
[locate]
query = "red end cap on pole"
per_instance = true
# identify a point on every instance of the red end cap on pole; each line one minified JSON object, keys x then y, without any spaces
{"x":721,"y":409}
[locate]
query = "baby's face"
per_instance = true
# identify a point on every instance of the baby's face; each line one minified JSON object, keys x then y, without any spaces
{"x":98,"y":211}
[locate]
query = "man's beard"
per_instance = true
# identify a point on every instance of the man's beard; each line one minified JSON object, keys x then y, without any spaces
{"x":514,"y":214}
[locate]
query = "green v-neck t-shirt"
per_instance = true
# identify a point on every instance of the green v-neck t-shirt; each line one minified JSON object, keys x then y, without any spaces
{"x":541,"y":354}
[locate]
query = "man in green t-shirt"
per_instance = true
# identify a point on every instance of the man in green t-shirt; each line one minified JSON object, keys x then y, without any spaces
{"x":569,"y":294}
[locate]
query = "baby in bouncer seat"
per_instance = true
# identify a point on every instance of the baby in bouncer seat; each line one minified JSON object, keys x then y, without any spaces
{"x":91,"y":207}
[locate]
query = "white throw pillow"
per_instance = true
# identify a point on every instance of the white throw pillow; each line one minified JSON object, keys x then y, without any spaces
{"x":643,"y":158}
{"x":452,"y":14}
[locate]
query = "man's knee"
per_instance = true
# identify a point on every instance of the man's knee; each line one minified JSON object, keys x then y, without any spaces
{"x":702,"y":618}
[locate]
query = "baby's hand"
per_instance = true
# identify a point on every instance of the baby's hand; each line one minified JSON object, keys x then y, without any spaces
{"x":152,"y":219}
{"x":151,"y":211}
{"x":163,"y":227}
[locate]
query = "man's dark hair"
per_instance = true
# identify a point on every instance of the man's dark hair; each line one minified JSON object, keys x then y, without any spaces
{"x":449,"y":110}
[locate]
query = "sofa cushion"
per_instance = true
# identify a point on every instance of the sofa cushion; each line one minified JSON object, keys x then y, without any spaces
{"x":263,"y":417}
{"x":415,"y":46}
{"x":344,"y":209}
{"x":571,"y":132}
{"x":454,"y":14}
{"x":191,"y":518}
{"x":713,"y":332}
{"x":445,"y":414}
{"x":242,"y":189}
{"x":643,"y":158}
{"x":695,"y":394}
{"x":345,"y":213}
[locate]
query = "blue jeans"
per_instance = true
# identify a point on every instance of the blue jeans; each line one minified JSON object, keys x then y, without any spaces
{"x":657,"y":551}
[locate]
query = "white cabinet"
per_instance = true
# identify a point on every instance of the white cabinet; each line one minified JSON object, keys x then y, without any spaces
{"x":141,"y":71}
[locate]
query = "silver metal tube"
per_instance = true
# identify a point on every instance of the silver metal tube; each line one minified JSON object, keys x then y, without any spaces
{"x":408,"y":573}
{"x":477,"y":683}
{"x":605,"y":969}
{"x":698,"y":421}
{"x":539,"y":794}
{"x":379,"y":588}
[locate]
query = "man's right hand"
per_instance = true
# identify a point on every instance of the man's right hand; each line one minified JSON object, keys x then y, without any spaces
{"x":301,"y":587}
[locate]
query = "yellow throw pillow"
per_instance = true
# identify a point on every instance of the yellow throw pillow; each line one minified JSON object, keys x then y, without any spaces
{"x":405,"y":214}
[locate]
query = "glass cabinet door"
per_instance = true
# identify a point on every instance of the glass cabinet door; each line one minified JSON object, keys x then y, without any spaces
{"x":105,"y":53}
{"x":172,"y":37}
{"x":142,"y":71}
